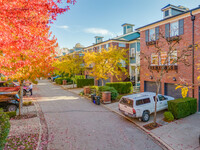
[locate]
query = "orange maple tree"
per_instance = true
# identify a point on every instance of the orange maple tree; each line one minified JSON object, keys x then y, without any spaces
{"x":27,"y":49}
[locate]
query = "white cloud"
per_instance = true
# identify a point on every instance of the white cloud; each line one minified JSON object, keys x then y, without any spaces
{"x":63,"y":27}
{"x":98,"y":31}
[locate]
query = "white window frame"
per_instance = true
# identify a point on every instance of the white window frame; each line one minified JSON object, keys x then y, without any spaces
{"x":152,"y":59}
{"x":124,"y":44}
{"x":174,"y":56}
{"x":132,"y":52}
{"x":153,"y":35}
{"x":174,"y":33}
{"x":160,"y":59}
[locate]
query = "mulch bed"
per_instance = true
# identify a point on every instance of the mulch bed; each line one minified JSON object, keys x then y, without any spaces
{"x":24,"y":116}
{"x":151,"y":126}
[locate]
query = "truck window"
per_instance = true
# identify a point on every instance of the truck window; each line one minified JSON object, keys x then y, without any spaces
{"x":142,"y":101}
{"x":127,"y":102}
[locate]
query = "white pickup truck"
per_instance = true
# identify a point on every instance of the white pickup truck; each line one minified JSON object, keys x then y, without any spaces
{"x":141,"y":105}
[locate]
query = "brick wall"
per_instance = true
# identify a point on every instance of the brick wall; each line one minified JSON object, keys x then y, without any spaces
{"x":184,"y":72}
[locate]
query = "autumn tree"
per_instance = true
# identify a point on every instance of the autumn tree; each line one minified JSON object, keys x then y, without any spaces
{"x":71,"y":64}
{"x":165,"y":55}
{"x":27,"y":51}
{"x":104,"y":63}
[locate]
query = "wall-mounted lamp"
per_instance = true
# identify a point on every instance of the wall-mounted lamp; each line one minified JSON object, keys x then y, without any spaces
{"x":174,"y":79}
{"x":151,"y":77}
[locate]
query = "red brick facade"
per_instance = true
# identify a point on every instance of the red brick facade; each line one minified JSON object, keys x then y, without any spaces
{"x":183,"y":72}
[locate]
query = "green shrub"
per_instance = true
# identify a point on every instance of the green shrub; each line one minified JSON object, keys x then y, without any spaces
{"x":182,"y":107}
{"x":122,"y":87}
{"x":78,"y":77}
{"x":168,"y":116}
{"x":11,"y":114}
{"x":27,"y":103}
{"x":113,"y":91}
{"x":94,"y":89}
{"x":60,"y":80}
{"x":119,"y":97}
{"x":4,"y":128}
{"x":84,"y":82}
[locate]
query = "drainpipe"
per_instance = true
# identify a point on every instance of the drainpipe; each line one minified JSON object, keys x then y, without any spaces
{"x":192,"y":19}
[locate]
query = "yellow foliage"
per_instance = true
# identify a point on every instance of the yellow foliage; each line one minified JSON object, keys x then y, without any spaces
{"x":107,"y":62}
{"x":184,"y":90}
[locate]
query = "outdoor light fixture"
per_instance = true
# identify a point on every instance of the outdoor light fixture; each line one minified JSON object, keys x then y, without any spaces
{"x":174,"y":79}
{"x":151,"y":77}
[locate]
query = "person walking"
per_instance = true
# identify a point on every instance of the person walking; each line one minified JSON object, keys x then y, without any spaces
{"x":31,"y":88}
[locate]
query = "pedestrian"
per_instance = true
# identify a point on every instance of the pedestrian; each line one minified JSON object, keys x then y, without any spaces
{"x":30,"y":88}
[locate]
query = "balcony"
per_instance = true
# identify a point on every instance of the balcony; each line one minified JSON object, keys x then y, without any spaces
{"x":167,"y":68}
{"x":151,"y":43}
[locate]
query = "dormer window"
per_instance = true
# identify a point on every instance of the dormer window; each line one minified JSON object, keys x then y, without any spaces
{"x":166,"y":13}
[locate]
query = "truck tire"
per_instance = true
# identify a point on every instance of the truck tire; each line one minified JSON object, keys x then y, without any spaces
{"x":145,"y":116}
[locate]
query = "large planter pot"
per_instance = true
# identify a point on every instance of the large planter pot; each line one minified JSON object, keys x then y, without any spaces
{"x":64,"y":82}
{"x":86,"y":90}
{"x":106,"y":97}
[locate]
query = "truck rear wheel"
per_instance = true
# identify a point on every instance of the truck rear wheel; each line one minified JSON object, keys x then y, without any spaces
{"x":145,"y":116}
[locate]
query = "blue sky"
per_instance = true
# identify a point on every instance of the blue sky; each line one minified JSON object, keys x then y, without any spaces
{"x":90,"y":18}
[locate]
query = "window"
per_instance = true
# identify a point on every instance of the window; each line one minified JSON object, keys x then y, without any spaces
{"x":123,"y":63}
{"x":127,"y":102}
{"x":154,"y":59}
{"x":152,"y":34}
{"x":161,"y":98}
{"x":166,"y":13}
{"x":106,"y":46}
{"x":142,"y":101}
{"x":163,"y":57}
{"x":173,"y":58}
{"x":174,"y":29}
{"x":122,"y":45}
{"x":132,"y":52}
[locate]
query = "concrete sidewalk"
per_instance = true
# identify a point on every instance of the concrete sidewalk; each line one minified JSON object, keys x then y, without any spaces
{"x":182,"y":134}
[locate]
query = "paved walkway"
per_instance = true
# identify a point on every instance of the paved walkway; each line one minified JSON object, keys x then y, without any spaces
{"x":182,"y":134}
{"x":74,"y":123}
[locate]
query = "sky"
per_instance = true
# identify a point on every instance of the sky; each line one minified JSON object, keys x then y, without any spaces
{"x":89,"y":18}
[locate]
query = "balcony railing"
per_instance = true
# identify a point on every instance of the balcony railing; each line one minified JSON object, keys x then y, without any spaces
{"x":170,"y":67}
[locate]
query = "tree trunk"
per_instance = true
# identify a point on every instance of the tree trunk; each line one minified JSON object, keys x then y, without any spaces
{"x":102,"y":83}
{"x":156,"y":100}
{"x":21,"y":97}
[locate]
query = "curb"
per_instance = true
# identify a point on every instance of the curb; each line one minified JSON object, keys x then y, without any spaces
{"x":157,"y":140}
{"x":164,"y":145}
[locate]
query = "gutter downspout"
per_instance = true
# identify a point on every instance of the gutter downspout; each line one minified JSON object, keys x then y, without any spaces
{"x":192,"y":19}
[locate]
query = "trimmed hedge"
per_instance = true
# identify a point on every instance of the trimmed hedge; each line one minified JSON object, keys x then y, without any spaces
{"x":168,"y":116}
{"x":60,"y":80}
{"x":4,"y":128}
{"x":84,"y":82}
{"x":182,"y":107}
{"x":78,"y":77}
{"x":122,"y":87}
{"x":113,"y":91}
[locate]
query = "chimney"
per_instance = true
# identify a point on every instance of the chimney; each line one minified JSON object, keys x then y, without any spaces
{"x":127,"y":28}
{"x":98,"y":39}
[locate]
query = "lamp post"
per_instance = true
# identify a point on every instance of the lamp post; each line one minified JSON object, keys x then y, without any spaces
{"x":192,"y":19}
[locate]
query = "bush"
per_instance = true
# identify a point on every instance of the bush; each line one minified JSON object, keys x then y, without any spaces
{"x":182,"y":107}
{"x":27,"y":103}
{"x":4,"y":128}
{"x":122,"y":87}
{"x":60,"y":80}
{"x":119,"y":97}
{"x":78,"y":77}
{"x":168,"y":116}
{"x":84,"y":82}
{"x":113,"y":91}
{"x":11,"y":114}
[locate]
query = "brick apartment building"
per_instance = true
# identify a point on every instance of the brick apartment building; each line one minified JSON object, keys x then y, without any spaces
{"x":129,"y":40}
{"x":176,"y":22}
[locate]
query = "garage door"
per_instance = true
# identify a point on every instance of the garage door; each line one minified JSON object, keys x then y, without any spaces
{"x":170,"y":90}
{"x":150,"y":87}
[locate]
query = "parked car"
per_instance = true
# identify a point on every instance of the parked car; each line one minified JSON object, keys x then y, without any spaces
{"x":9,"y":101}
{"x":15,"y":84}
{"x":141,"y":105}
{"x":53,"y":78}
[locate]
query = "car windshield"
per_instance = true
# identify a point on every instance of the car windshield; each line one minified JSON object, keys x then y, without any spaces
{"x":127,"y":102}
